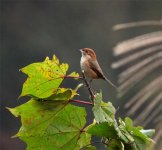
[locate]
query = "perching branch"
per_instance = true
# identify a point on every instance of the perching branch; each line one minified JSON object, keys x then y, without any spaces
{"x":89,"y":88}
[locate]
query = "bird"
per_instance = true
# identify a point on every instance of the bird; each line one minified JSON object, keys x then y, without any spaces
{"x":90,"y":66}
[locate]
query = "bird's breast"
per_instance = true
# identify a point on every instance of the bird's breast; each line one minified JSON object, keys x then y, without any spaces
{"x":84,"y":64}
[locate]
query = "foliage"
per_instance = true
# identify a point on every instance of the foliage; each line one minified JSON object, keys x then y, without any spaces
{"x":50,"y":121}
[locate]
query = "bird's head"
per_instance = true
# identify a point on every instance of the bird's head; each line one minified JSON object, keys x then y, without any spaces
{"x":88,"y":52}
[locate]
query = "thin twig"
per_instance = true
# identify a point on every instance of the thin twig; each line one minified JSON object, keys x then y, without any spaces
{"x":89,"y":88}
{"x":82,"y":102}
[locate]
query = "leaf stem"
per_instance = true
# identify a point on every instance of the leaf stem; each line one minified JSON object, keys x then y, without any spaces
{"x":81,"y":102}
{"x":72,"y":77}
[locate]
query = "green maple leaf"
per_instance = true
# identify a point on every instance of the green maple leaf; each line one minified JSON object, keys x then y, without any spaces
{"x":102,"y":130}
{"x":138,"y":131}
{"x":141,"y":137}
{"x":51,"y":125}
{"x":103,"y":112}
{"x":44,"y":78}
{"x":136,"y":135}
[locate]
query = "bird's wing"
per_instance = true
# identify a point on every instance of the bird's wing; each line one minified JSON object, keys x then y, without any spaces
{"x":96,"y":68}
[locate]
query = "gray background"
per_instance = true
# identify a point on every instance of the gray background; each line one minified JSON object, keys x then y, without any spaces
{"x":32,"y":30}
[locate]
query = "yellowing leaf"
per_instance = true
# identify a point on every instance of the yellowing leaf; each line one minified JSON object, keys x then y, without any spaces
{"x":74,"y":74}
{"x":44,"y":78}
{"x":63,"y":94}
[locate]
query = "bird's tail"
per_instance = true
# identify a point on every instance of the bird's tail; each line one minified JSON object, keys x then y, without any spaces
{"x":108,"y":81}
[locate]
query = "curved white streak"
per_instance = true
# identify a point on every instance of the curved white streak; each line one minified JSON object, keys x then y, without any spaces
{"x":143,"y":99}
{"x":149,"y":108}
{"x":128,"y":84}
{"x":137,"y":42}
{"x":135,"y":56}
{"x":158,"y":135}
{"x":134,"y":69}
{"x":144,"y":91}
{"x":152,"y":115}
{"x":137,"y":24}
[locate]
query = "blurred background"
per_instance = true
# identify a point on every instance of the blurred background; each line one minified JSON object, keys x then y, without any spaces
{"x":32,"y":30}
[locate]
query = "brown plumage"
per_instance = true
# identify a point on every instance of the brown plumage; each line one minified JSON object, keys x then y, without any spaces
{"x":90,"y":65}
